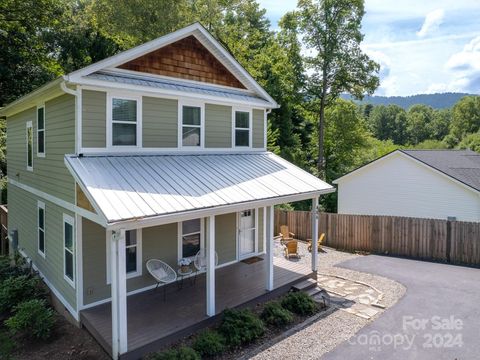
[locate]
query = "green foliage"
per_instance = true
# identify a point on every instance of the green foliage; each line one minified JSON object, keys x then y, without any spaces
{"x":7,"y":345}
{"x":431,"y":144}
{"x":471,"y":141}
{"x":14,"y":290}
{"x":8,"y":271}
{"x":32,"y":318}
{"x":299,"y":303}
{"x":419,"y":118}
{"x":182,"y":353}
{"x":274,"y":314}
{"x":465,"y":117}
{"x":388,"y":123}
{"x":240,"y":327}
{"x":209,"y":343}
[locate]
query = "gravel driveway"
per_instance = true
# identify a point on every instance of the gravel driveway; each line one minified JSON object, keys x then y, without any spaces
{"x":334,"y":326}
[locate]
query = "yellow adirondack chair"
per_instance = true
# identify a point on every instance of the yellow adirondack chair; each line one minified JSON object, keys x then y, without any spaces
{"x":320,"y":241}
{"x":291,"y":249}
{"x":285,"y":234}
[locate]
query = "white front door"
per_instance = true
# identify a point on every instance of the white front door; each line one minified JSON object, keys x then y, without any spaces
{"x":246,"y":233}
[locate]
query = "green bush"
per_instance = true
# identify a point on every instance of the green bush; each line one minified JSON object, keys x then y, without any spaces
{"x":7,"y":345}
{"x":274,"y":314}
{"x":240,"y":327}
{"x":299,"y":303}
{"x":183,"y":353}
{"x":8,"y":271}
{"x":209,"y":343}
{"x":15,"y":290}
{"x":32,"y":318}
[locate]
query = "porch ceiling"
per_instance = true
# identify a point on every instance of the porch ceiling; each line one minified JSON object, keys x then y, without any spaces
{"x":123,"y":188}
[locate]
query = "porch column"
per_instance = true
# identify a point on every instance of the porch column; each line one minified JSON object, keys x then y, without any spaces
{"x":315,"y":234}
{"x":119,"y":293}
{"x":210,"y":252}
{"x":269,"y":249}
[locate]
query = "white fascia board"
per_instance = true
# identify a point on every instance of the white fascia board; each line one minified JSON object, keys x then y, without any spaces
{"x":218,"y":210}
{"x":108,"y":85}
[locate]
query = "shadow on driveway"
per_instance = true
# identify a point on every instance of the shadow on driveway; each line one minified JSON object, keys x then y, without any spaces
{"x":438,"y":318}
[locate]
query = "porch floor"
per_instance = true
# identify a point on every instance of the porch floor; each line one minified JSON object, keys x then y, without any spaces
{"x":153,"y":322}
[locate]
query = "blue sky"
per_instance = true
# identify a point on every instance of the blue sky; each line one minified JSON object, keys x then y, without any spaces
{"x":423,"y":46}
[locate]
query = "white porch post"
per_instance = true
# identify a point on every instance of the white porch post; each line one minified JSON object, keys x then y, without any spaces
{"x":119,"y":293}
{"x":210,"y":252}
{"x":314,"y":234}
{"x":269,"y":249}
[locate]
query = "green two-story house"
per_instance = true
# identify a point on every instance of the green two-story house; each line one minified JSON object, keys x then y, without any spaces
{"x":158,"y":152}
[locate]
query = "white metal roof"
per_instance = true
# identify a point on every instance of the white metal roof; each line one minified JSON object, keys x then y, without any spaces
{"x":135,"y":187}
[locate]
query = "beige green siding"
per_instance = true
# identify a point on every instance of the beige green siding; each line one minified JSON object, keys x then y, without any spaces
{"x":218,"y":126}
{"x":49,"y":173}
{"x":258,"y":139}
{"x":22,"y":215}
{"x":94,"y":119}
{"x":226,"y":237}
{"x":160,"y":122}
{"x":260,"y":230}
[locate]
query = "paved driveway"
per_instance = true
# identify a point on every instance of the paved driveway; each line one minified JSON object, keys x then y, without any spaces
{"x":438,"y":318}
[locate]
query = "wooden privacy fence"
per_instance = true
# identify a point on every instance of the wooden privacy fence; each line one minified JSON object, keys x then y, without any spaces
{"x":430,"y":239}
{"x":3,"y":230}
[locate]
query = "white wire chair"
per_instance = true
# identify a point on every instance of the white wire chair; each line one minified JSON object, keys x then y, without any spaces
{"x":162,"y":273}
{"x":200,"y":262}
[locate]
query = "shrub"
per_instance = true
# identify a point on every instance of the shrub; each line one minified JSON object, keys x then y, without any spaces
{"x":7,"y":345}
{"x":33,"y":318}
{"x":299,"y":303}
{"x":183,"y":353}
{"x":15,"y":290}
{"x":240,"y":327}
{"x":274,"y":314}
{"x":8,"y":271}
{"x":209,"y":343}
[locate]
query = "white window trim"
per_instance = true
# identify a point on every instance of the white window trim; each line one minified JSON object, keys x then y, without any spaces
{"x":67,"y":219}
{"x":41,"y":205}
{"x":123,"y":96}
{"x":139,"y":256}
{"x":42,"y":154}
{"x":180,"y":238}
{"x":29,"y":126}
{"x":255,"y":251}
{"x":201,"y":105}
{"x":250,"y":127}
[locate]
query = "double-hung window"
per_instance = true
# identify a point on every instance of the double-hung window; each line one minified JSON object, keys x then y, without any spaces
{"x":133,"y":253}
{"x":125,"y":121}
{"x":191,"y":239}
{"x":41,"y":228}
{"x":29,"y":147}
{"x":191,"y":126}
{"x":242,"y":129}
{"x":68,"y":249}
{"x":41,"y":131}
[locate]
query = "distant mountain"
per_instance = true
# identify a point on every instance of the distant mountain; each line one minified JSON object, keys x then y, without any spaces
{"x":437,"y":101}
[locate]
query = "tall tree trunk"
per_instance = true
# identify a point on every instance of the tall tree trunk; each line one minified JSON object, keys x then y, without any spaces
{"x":321,"y":127}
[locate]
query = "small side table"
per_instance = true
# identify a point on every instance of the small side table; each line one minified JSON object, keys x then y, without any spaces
{"x":181,"y":275}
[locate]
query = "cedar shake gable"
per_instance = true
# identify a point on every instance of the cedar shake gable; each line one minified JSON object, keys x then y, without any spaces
{"x":185,"y":59}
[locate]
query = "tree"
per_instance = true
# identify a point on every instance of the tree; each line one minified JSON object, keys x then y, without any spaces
{"x":465,"y":117}
{"x":471,"y":141}
{"x":331,"y":31}
{"x":388,"y":122}
{"x":419,"y":118}
{"x":440,"y":123}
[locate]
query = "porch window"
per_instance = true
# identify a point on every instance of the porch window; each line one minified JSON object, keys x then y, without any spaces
{"x":131,"y":249}
{"x":68,"y":250}
{"x":191,"y":238}
{"x":191,"y":126}
{"x":242,"y":128}
{"x":29,"y":148}
{"x":124,"y":122}
{"x":41,"y":227}
{"x":41,"y":131}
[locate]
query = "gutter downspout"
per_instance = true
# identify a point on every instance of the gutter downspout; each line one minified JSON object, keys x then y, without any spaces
{"x":78,"y":113}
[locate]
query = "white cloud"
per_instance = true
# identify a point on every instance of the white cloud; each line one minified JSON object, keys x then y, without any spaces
{"x":432,"y":22}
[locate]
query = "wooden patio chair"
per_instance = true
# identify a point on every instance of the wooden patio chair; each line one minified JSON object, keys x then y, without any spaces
{"x":291,"y":249}
{"x":285,"y":234}
{"x":320,"y":241}
{"x":162,"y":273}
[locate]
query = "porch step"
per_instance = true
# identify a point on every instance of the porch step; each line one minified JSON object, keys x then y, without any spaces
{"x":305,"y":285}
{"x":313,"y":291}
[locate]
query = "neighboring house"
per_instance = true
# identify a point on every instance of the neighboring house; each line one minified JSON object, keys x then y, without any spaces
{"x":155,"y":153}
{"x":436,"y":184}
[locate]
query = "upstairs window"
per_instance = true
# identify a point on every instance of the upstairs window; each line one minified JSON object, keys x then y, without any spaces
{"x":41,"y":131}
{"x":191,"y":126}
{"x":125,"y":121}
{"x":242,"y":129}
{"x":29,"y":147}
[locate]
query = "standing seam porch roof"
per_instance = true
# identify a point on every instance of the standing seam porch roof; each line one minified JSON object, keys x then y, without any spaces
{"x":141,"y":186}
